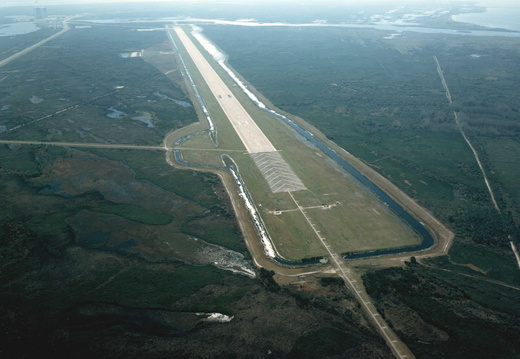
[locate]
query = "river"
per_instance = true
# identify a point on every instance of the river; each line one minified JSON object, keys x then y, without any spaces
{"x":391,"y":27}
{"x":505,"y":17}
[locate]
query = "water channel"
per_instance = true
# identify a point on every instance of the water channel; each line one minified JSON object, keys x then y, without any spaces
{"x":427,"y":239}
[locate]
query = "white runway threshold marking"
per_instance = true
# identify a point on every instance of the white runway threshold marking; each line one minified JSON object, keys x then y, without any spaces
{"x":277,"y":172}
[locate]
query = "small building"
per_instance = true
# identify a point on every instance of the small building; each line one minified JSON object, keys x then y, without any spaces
{"x":40,"y":13}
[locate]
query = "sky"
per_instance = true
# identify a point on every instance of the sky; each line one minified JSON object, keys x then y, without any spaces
{"x":51,"y":2}
{"x":55,"y":2}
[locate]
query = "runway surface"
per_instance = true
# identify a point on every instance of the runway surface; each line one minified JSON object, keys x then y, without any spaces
{"x":276,"y":171}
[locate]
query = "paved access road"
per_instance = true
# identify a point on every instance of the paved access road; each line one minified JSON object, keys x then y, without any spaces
{"x":90,"y":145}
{"x":354,"y":284}
{"x":38,"y":44}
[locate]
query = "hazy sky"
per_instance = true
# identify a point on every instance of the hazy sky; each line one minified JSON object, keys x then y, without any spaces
{"x":358,"y":2}
{"x":51,"y":2}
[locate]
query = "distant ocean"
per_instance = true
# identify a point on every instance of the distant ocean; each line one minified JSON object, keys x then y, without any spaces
{"x":494,"y":17}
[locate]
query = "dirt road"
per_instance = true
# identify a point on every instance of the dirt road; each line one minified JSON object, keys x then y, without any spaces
{"x":515,"y":251}
{"x":461,"y":129}
{"x":497,"y":282}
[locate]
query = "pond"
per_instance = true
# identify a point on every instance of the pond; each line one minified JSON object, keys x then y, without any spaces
{"x":18,"y":28}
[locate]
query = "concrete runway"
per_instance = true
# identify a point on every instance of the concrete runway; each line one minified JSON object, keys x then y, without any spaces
{"x":280,"y":179}
{"x":251,"y":135}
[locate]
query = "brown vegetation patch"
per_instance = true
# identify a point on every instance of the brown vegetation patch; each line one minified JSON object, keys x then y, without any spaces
{"x":82,"y":173}
{"x":408,"y":322}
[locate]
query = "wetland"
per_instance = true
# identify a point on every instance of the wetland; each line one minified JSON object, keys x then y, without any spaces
{"x":113,"y":252}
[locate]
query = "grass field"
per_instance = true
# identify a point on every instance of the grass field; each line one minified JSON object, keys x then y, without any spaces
{"x":382,"y":100}
{"x":358,"y":222}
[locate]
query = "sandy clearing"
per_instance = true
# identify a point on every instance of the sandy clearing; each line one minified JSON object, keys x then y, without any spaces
{"x":251,"y":135}
{"x":515,"y":251}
